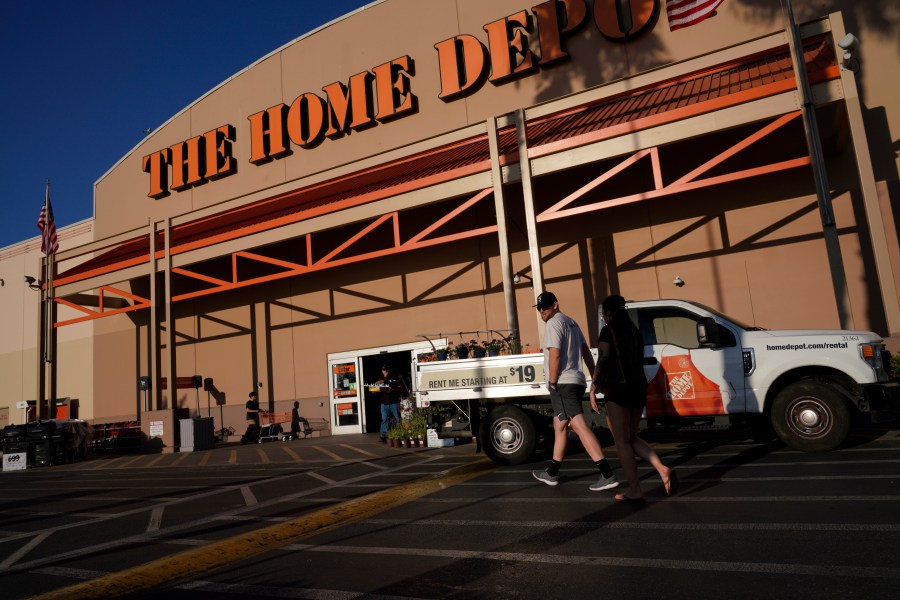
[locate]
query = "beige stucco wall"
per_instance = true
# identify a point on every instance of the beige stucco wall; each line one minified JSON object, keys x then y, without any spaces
{"x":19,"y":317}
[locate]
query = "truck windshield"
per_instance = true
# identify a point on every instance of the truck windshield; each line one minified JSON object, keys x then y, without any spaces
{"x":727,"y":318}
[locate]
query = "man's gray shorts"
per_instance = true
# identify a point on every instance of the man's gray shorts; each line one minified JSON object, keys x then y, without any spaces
{"x":566,"y":400}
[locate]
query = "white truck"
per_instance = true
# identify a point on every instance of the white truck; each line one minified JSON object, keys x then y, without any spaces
{"x":704,"y":370}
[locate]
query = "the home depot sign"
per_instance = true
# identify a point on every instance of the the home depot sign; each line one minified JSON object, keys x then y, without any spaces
{"x":517,"y":45}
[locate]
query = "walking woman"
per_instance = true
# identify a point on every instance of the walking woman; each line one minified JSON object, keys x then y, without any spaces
{"x":620,"y":377}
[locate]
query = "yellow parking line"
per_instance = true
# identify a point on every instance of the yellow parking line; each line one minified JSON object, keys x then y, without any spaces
{"x":128,"y":462}
{"x":360,"y":450}
{"x":180,"y":459}
{"x":232,"y":458}
{"x":328,"y":453}
{"x":156,"y":460}
{"x":205,"y":459}
{"x":262,"y":455}
{"x":196,"y":561}
{"x":291,"y":453}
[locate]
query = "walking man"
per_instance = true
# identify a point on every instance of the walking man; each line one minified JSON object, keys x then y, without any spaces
{"x":564,"y":350}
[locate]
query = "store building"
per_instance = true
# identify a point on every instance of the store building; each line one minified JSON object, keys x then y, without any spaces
{"x":428,"y":167}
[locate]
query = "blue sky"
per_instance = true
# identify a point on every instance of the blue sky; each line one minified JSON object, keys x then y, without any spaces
{"x":83,"y":80}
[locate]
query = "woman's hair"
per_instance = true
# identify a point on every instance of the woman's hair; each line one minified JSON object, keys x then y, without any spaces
{"x":628,"y":336}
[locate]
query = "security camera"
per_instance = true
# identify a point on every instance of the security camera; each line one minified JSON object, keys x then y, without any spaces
{"x":849,"y":42}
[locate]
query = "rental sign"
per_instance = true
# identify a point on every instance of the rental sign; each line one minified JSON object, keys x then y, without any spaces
{"x":518,"y":45}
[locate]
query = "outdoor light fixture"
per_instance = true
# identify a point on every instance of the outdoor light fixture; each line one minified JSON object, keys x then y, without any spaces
{"x":33,"y":283}
{"x":679,"y":282}
{"x":848,"y":44}
{"x":517,"y":278}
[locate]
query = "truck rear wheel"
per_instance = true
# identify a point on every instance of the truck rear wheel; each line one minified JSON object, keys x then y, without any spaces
{"x":507,"y":435}
{"x":809,"y":416}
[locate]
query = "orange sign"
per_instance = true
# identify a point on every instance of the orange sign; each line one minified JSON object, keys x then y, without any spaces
{"x":517,"y":45}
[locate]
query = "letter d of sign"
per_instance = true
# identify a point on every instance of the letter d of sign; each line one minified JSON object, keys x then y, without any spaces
{"x":463,"y":66}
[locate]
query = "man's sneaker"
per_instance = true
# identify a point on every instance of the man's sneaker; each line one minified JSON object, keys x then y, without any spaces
{"x":604,"y":483}
{"x":545,"y":477}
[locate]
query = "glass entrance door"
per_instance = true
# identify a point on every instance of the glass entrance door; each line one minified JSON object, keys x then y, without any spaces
{"x":344,"y":395}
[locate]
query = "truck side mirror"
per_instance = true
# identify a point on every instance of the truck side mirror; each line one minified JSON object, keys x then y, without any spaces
{"x":708,"y":333}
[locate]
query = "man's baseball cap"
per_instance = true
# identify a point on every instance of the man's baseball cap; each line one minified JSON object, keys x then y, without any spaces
{"x":545,"y":300}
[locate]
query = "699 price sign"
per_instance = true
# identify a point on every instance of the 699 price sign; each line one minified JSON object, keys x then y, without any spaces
{"x":14,"y":462}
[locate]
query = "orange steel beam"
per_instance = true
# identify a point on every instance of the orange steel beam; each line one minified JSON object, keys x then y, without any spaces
{"x":329,"y":260}
{"x":685,"y":183}
{"x":140,"y":303}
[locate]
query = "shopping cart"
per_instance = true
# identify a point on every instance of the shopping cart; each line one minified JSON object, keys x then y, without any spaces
{"x":270,"y":425}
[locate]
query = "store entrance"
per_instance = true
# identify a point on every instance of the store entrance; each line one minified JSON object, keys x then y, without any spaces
{"x":354,"y":408}
{"x":401,"y":366}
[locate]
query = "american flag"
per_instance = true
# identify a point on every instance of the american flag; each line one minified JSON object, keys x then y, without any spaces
{"x":684,"y":13}
{"x":49,"y":241}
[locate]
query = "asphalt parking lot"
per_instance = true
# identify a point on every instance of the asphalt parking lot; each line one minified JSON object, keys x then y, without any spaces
{"x":347,"y":517}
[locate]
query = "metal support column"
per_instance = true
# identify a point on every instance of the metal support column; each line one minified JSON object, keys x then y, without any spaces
{"x":170,"y":319}
{"x":155,"y":392}
{"x":885,"y":273}
{"x":509,"y":291}
{"x":811,"y":127}
{"x":534,"y":248}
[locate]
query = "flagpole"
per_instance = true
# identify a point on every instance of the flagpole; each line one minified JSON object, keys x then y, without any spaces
{"x":48,"y":309}
{"x":820,"y":176}
{"x":48,"y":348}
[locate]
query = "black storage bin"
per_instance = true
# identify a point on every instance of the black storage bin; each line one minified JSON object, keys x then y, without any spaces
{"x":39,"y":453}
{"x":15,"y":448}
{"x":12,"y":434}
{"x":41,"y":430}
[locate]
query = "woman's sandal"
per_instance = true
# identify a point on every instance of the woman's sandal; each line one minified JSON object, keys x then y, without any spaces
{"x":623,"y":499}
{"x":671,"y":483}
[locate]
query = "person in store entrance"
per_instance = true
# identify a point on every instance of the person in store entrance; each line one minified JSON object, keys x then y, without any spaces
{"x":252,"y":433}
{"x":564,"y":350}
{"x":391,"y":387}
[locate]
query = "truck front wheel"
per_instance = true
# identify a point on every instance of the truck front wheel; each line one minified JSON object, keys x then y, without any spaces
{"x":809,"y":416}
{"x":507,"y":435}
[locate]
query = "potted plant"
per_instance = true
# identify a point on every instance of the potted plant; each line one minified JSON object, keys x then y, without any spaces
{"x":514,"y":344}
{"x":493,"y":347}
{"x":393,"y":436}
{"x":476,"y":349}
{"x":419,"y":427}
{"x":441,"y":353}
{"x":462,"y":350}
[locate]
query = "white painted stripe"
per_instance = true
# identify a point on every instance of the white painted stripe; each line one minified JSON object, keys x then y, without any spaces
{"x":249,"y":498}
{"x":248,"y":591}
{"x":830,"y":570}
{"x":592,"y":525}
{"x":15,"y":556}
{"x":574,"y":476}
{"x":139,"y":538}
{"x":374,"y":465}
{"x":320,"y":477}
{"x":155,"y":519}
{"x":596,"y":499}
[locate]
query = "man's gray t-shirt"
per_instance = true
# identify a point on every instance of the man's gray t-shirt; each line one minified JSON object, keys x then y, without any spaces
{"x":563,"y":332}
